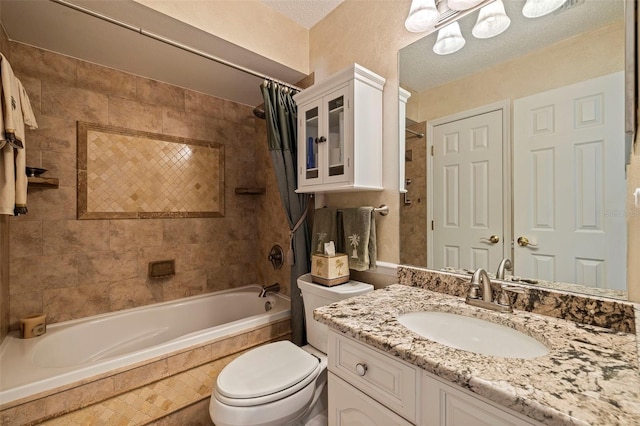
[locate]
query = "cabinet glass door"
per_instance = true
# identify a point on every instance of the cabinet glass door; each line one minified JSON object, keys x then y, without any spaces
{"x":311,"y":128}
{"x":336,"y":139}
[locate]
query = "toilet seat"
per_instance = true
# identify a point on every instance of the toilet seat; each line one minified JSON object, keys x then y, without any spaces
{"x":266,"y":374}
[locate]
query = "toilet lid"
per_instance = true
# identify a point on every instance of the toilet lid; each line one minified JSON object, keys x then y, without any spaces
{"x":266,"y":370}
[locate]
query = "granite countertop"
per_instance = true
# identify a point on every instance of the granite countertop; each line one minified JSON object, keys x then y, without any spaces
{"x":590,"y":376}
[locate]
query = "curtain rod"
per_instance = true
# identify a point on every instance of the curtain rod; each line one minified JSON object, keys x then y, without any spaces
{"x":171,"y":42}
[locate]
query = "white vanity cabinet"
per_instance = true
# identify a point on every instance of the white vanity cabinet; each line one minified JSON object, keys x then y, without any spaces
{"x":340,"y":133}
{"x":369,"y":387}
{"x":448,"y":405}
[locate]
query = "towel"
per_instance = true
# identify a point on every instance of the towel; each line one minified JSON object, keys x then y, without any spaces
{"x":325,"y":229}
{"x":360,"y":237}
{"x":16,"y":113}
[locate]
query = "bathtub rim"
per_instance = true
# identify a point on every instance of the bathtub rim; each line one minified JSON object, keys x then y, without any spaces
{"x":105,"y":371}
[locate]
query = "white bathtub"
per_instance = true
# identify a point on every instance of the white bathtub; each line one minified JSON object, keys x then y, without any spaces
{"x":75,"y":350}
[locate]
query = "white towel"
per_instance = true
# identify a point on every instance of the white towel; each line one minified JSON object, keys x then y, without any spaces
{"x":16,"y":112}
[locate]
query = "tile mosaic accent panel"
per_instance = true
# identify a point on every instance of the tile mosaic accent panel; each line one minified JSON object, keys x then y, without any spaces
{"x":128,"y":174}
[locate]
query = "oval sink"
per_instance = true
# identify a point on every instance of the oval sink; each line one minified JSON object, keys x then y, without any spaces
{"x":473,"y":334}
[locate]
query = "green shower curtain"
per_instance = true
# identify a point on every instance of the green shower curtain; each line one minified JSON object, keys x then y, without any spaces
{"x":281,"y":116}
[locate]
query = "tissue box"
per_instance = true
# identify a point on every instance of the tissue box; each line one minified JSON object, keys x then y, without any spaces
{"x":330,"y":270}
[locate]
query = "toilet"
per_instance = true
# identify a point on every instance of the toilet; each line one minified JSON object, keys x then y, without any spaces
{"x":280,"y":383}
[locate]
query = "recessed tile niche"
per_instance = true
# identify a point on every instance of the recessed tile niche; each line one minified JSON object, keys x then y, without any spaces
{"x":129,"y":174}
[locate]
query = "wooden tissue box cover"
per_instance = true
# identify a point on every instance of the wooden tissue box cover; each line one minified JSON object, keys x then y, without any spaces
{"x":329,"y":271}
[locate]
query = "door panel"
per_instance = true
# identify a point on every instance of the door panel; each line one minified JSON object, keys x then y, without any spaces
{"x":468,"y":176}
{"x":569,"y":184}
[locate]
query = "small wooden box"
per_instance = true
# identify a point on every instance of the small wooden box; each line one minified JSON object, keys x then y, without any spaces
{"x":330,"y":270}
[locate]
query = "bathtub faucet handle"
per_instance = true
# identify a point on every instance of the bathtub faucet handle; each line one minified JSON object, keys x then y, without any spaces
{"x":275,"y":287}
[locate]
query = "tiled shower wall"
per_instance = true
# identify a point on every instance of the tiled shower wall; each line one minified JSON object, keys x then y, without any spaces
{"x":72,"y":268}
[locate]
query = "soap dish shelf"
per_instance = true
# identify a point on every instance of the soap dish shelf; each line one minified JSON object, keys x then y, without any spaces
{"x":40,"y":181}
{"x":250,"y":191}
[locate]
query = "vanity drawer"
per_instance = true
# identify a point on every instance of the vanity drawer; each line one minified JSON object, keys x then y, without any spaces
{"x":386,"y":379}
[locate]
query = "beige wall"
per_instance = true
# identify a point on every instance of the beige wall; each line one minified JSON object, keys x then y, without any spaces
{"x":4,"y":241}
{"x":633,"y":226}
{"x":70,"y":268}
{"x":369,"y":33}
{"x":579,"y":58}
{"x":246,"y":23}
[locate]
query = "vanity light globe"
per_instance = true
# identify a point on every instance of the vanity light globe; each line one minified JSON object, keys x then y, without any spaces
{"x":492,"y":20}
{"x":463,"y":4}
{"x":423,"y":16}
{"x":538,"y":8}
{"x":449,"y":40}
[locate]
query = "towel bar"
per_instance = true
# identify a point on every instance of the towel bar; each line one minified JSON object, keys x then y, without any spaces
{"x":383,"y":210}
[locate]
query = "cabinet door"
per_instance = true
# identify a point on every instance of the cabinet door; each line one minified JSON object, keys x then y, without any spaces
{"x":337,"y":160}
{"x":445,"y":405}
{"x":309,"y":145}
{"x":350,"y":407}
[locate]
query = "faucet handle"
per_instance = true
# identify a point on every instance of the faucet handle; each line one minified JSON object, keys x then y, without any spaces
{"x":474,"y":291}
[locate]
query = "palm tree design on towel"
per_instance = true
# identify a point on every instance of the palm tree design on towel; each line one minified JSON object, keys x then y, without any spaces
{"x":354,"y":241}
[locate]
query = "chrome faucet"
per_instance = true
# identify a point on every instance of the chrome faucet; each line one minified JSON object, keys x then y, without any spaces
{"x":275,"y":287}
{"x":480,"y":280}
{"x":505,"y":264}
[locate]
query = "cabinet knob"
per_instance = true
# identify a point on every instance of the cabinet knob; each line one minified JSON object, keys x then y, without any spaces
{"x":361,"y":369}
{"x":321,"y":139}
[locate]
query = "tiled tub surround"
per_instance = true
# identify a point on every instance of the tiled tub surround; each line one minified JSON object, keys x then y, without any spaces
{"x":600,"y":311}
{"x":72,"y":269}
{"x":164,"y":375}
{"x":590,"y":376}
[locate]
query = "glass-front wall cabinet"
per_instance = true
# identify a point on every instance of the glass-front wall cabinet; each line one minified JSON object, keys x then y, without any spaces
{"x":340,"y":133}
{"x":324,"y":134}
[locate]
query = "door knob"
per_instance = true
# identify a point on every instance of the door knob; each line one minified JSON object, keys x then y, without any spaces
{"x":494,"y":239}
{"x":524,"y":242}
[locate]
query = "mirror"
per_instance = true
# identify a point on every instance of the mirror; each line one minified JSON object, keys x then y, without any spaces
{"x":522,"y":75}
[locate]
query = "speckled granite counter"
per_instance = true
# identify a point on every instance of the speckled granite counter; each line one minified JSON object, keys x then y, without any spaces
{"x":591,"y":375}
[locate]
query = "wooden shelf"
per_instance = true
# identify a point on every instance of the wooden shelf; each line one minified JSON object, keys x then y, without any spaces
{"x":250,"y":191}
{"x":44,"y":181}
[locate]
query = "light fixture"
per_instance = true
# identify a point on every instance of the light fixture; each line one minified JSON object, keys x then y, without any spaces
{"x":492,"y":20}
{"x":537,"y":8}
{"x":423,"y":16}
{"x":463,"y":4}
{"x":449,"y":40}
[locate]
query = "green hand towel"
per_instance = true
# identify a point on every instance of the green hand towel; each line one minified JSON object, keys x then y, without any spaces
{"x":325,"y":229}
{"x":360,"y":238}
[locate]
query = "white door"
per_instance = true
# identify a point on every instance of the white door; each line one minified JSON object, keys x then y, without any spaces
{"x":569,"y":184}
{"x":467,"y":175}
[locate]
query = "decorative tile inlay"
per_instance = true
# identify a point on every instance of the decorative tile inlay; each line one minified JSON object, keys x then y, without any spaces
{"x":133,"y":174}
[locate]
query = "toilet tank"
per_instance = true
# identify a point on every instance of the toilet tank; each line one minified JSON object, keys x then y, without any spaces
{"x":315,"y":296}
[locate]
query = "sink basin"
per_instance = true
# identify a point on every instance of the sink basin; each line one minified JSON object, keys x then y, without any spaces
{"x":473,"y":334}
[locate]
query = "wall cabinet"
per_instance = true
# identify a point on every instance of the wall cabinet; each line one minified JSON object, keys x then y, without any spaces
{"x":369,"y":387}
{"x":340,"y":133}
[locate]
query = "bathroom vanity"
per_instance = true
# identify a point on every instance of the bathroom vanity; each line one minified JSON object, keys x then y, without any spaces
{"x":383,"y":373}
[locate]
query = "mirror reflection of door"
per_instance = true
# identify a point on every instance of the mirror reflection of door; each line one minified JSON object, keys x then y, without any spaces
{"x":467,"y":167}
{"x":569,"y":197}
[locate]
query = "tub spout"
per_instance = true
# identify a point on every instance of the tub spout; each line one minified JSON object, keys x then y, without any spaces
{"x":275,"y":287}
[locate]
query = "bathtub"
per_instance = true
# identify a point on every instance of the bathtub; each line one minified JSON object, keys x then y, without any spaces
{"x":77,"y":350}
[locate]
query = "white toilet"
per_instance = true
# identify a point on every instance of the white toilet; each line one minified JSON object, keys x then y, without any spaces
{"x":280,"y":383}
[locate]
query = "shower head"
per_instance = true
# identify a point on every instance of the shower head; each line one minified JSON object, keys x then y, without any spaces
{"x":259,"y":112}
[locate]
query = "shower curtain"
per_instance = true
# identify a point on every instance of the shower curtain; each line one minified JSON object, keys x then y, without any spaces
{"x":281,"y":116}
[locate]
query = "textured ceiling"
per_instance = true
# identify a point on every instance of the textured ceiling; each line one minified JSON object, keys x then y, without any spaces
{"x":305,"y":12}
{"x":421,"y":69}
